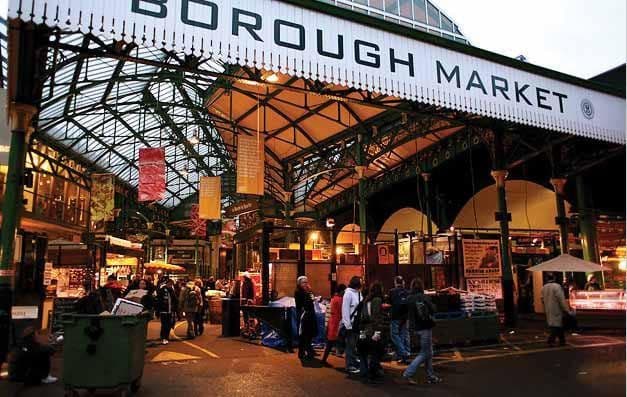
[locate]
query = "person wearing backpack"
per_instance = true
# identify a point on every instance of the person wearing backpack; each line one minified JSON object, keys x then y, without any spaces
{"x":371,"y":345}
{"x":349,"y":328}
{"x":399,"y":332}
{"x":189,"y":304}
{"x":420,"y":315}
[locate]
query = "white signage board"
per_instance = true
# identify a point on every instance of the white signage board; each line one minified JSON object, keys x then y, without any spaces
{"x":285,"y":37}
{"x":24,"y":312}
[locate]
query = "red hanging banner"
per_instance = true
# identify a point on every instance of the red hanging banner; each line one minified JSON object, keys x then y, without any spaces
{"x":199,"y":226}
{"x":151,"y":174}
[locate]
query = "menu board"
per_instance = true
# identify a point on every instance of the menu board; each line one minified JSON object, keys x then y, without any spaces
{"x":61,"y":306}
{"x":482,"y":258}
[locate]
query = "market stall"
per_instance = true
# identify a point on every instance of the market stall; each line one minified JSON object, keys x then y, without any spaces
{"x":594,"y":307}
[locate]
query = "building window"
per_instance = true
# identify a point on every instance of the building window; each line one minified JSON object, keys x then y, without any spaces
{"x":405,"y":6}
{"x":378,"y":4}
{"x":447,"y":24}
{"x":420,"y":11}
{"x":434,"y":15}
{"x":391,"y":6}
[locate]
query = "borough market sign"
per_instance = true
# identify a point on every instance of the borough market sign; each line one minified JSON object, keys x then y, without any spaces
{"x":293,"y":38}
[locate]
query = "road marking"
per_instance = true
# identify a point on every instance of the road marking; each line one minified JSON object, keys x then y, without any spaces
{"x":190,"y":344}
{"x":508,"y":343}
{"x":526,"y":352}
{"x":172,"y":356}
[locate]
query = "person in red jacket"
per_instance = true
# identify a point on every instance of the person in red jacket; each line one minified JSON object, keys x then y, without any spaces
{"x":333,"y":328}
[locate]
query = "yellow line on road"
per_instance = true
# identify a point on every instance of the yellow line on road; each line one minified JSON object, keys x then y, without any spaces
{"x":548,"y":349}
{"x":190,"y":344}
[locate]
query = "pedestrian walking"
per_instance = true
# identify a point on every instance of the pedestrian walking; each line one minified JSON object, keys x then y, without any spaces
{"x":350,"y":305}
{"x":554,"y":307}
{"x":166,"y":306}
{"x":199,"y":318}
{"x":371,"y":342}
{"x":399,"y":332}
{"x":190,"y":302}
{"x":333,"y":327}
{"x":420,"y":312}
{"x":307,"y":324}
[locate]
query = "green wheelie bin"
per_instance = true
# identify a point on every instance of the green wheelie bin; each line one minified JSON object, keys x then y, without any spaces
{"x":103,"y":352}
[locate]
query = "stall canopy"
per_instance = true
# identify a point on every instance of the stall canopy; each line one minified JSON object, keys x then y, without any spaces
{"x":328,"y":89}
{"x":163,"y":266}
{"x":566,"y":263}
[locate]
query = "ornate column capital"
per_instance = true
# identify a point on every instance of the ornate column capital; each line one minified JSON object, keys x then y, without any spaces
{"x":426,"y":176}
{"x":558,"y":184}
{"x":20,"y":116}
{"x":499,"y":177}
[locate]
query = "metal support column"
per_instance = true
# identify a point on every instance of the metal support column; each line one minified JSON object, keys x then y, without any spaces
{"x":587,"y":223}
{"x":300,"y":271}
{"x":265,"y":263}
{"x":503,"y":217}
{"x":333,"y":275}
{"x":20,"y":119}
{"x":426,"y":177}
{"x":561,"y":220}
{"x":360,"y":169}
{"x":396,"y":262}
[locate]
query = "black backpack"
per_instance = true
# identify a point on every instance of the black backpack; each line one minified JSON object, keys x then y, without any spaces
{"x":356,"y":317}
{"x":423,"y":311}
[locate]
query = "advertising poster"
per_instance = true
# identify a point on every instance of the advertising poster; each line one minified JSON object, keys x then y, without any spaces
{"x":404,"y":252}
{"x":210,"y":198}
{"x":250,"y":165}
{"x":386,"y":254}
{"x":486,"y":286}
{"x":102,"y":198}
{"x":482,"y":258}
{"x":151,"y":174}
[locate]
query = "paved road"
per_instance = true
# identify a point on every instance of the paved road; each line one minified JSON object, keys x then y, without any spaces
{"x":591,"y":365}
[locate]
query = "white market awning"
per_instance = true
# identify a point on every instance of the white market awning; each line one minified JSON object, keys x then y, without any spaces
{"x":321,"y":42}
{"x":566,"y":263}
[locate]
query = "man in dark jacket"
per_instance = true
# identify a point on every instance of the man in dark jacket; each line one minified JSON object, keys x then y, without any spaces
{"x":307,"y":324}
{"x":398,"y":325}
{"x":166,"y":308}
{"x":420,"y":314}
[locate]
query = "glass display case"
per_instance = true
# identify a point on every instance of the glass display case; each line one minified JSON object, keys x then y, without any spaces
{"x":607,"y":300}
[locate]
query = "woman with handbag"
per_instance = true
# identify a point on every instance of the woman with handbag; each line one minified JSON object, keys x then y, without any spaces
{"x":370,"y":343}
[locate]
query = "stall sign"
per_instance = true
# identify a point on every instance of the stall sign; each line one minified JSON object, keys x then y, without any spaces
{"x":102,"y":198}
{"x":241,"y":208}
{"x":482,"y":258}
{"x":210,"y":198}
{"x":250,"y":165}
{"x":486,"y":286}
{"x":47,"y":273}
{"x":151,"y":174}
{"x":24,"y":312}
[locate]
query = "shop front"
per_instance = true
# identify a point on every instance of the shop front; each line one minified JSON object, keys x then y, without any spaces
{"x":312,"y":112}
